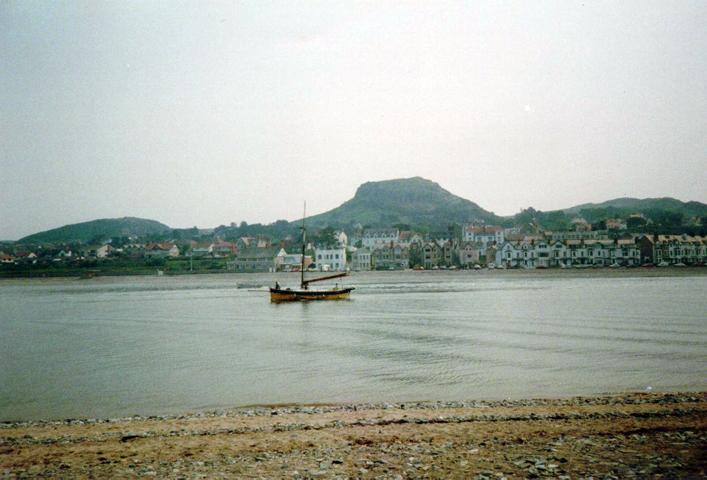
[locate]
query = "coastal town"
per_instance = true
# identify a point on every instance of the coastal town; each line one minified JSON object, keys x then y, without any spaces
{"x":474,"y":245}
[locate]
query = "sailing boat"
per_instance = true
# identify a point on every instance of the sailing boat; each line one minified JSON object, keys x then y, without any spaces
{"x":278,"y":294}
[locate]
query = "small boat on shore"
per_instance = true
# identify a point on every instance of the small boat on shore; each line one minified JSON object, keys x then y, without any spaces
{"x":279,"y":294}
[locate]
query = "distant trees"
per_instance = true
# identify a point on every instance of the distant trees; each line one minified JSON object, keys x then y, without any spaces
{"x":324,"y":237}
{"x":655,"y":219}
{"x":665,"y":218}
{"x":600,"y":225}
{"x":416,"y":256}
{"x":636,"y":223}
{"x":555,"y":221}
{"x":186,"y":233}
{"x":97,"y":239}
{"x":279,"y":229}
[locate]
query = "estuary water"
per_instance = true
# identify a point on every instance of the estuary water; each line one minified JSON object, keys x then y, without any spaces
{"x":117,"y":346}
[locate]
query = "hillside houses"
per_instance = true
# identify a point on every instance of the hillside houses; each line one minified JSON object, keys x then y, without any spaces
{"x":161,"y":250}
{"x":484,"y":234}
{"x":259,"y":241}
{"x":222,"y":248}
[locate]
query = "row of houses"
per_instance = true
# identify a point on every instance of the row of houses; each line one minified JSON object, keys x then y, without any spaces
{"x":91,"y":252}
{"x":273,"y":259}
{"x":529,"y":252}
{"x":544,"y":254}
{"x":631,"y":251}
{"x":673,"y":249}
{"x":394,"y":249}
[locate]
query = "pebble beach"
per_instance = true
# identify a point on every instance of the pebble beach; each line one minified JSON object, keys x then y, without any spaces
{"x":636,"y":435}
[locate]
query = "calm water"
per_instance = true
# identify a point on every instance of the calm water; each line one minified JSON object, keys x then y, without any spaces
{"x":111,"y":347}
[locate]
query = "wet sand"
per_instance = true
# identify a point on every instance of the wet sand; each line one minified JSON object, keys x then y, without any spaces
{"x":620,"y":436}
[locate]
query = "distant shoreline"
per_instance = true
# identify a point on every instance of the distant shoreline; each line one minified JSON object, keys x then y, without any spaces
{"x":621,"y":271}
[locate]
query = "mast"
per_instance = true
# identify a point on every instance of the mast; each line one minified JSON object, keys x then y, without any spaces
{"x":304,"y":243}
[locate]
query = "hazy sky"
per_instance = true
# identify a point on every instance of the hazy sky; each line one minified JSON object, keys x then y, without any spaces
{"x":204,"y":113}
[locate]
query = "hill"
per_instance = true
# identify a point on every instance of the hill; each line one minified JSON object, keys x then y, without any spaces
{"x":667,"y":215}
{"x":415,"y":201}
{"x":106,"y":227}
{"x":643,"y":205}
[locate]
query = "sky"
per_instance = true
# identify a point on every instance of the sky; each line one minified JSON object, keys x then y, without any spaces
{"x":205,"y":113}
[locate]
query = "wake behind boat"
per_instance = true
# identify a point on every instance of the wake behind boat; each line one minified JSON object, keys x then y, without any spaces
{"x":278,"y":294}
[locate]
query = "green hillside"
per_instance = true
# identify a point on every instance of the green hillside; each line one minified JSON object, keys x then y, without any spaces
{"x":416,"y":201}
{"x":667,"y":215}
{"x":106,"y":227}
{"x":642,"y":205}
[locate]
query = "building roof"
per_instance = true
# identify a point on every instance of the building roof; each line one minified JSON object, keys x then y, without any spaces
{"x":160,"y":246}
{"x":483,"y":229}
{"x":254,"y":253}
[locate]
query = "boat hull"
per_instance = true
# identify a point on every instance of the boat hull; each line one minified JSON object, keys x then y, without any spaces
{"x":284,"y":295}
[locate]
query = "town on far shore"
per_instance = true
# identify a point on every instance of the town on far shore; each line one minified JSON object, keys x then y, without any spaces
{"x":475,"y":245}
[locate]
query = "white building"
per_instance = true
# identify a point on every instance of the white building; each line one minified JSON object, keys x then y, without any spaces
{"x":342,"y":238}
{"x":328,"y":259}
{"x":485,"y":235}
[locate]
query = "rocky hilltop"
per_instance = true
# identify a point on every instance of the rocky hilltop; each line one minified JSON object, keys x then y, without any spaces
{"x":412,"y":201}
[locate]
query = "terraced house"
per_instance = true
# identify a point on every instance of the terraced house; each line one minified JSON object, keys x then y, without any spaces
{"x":438,"y":253}
{"x":394,"y":257}
{"x":570,"y":253}
{"x":678,"y":249}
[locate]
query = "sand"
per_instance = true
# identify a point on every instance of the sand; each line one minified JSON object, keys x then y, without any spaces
{"x":621,"y":436}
